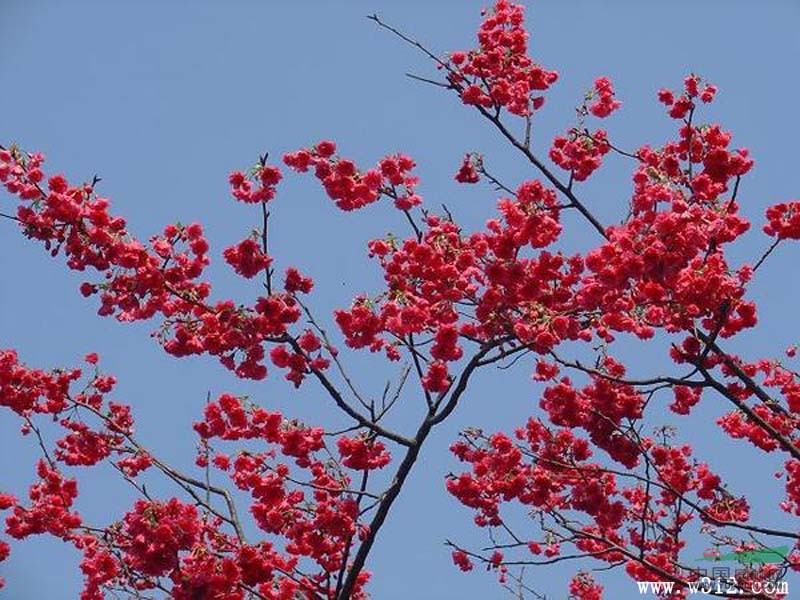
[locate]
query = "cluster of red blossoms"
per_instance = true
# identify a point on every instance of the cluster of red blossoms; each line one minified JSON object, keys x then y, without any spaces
{"x":172,"y":539}
{"x":307,"y":355}
{"x":604,"y":98}
{"x":451,"y":302}
{"x":600,"y":409}
{"x":499,"y":73}
{"x":670,"y":253}
{"x":259,"y":187}
{"x":140,"y":282}
{"x":427,"y":279}
{"x":680,"y":106}
{"x":28,"y":392}
{"x":584,"y":587}
{"x":351,"y":188}
{"x":247,"y":258}
{"x":467,"y":173}
{"x":549,"y":470}
{"x":580,"y":153}
{"x":362,"y":454}
{"x":49,"y":512}
{"x":156,"y":533}
{"x":318,"y":527}
{"x":783,"y":221}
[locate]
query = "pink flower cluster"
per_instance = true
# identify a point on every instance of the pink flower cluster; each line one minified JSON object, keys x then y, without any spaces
{"x":499,"y":73}
{"x":351,"y":188}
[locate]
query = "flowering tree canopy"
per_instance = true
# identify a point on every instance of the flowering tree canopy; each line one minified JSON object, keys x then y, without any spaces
{"x":583,"y":480}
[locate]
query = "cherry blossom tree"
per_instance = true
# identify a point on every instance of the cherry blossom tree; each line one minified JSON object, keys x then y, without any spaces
{"x":583,"y":480}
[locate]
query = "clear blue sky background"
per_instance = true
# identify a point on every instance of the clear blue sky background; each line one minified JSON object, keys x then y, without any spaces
{"x":163,"y":99}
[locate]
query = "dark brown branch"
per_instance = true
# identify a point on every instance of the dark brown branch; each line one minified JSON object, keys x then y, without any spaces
{"x":748,"y":381}
{"x":342,"y":403}
{"x":265,"y":245}
{"x":776,"y":435}
{"x":403,"y":471}
{"x":181,"y":479}
{"x":766,"y":254}
{"x":332,"y":352}
{"x":566,"y":190}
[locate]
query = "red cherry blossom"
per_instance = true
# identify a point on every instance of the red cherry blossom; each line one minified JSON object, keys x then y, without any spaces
{"x":784,"y":221}
{"x":580,"y":153}
{"x":499,"y":73}
{"x":467,"y":172}
{"x":604,"y":101}
{"x":247,"y":258}
{"x":351,"y":188}
{"x":259,"y":186}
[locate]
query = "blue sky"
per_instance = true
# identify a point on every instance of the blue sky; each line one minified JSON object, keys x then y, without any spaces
{"x":162,"y":100}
